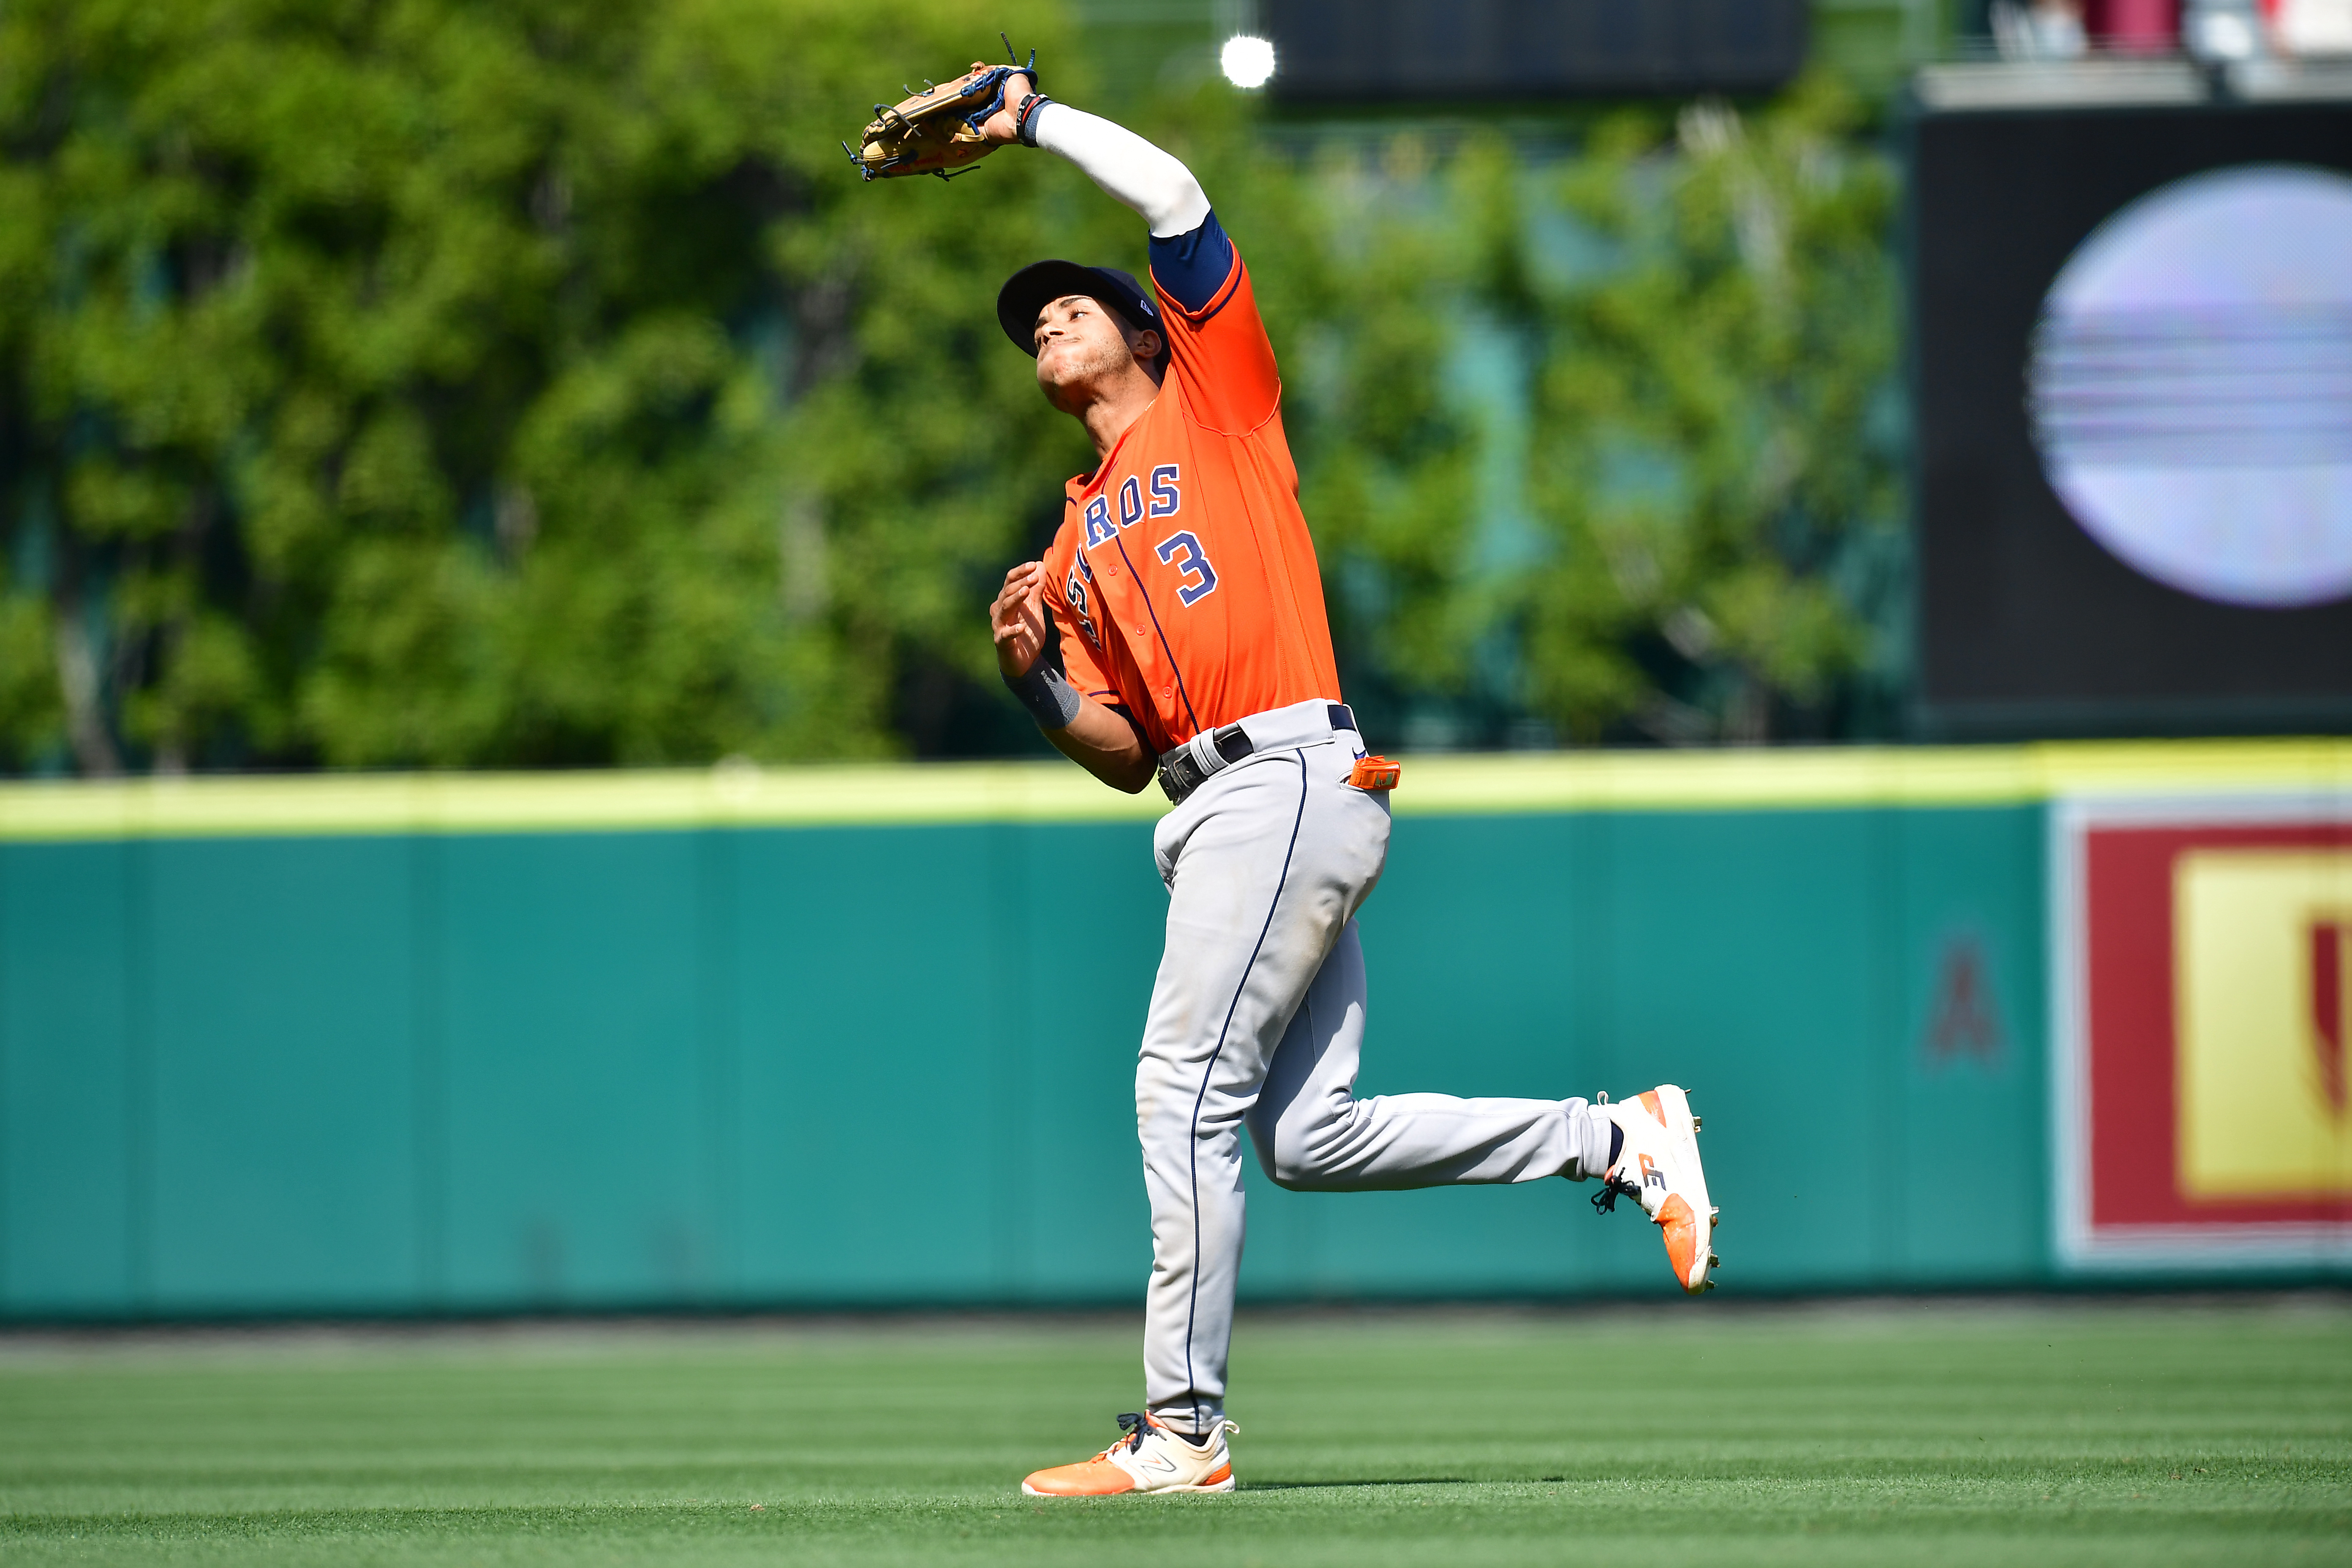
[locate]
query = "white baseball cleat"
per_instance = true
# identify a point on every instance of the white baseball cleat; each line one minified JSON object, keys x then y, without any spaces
{"x":1658,"y":1164}
{"x":1148,"y":1458}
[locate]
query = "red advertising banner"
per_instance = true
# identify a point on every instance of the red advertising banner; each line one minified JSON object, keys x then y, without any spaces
{"x":2202,"y":970}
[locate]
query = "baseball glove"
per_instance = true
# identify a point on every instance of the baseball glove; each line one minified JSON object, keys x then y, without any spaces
{"x":936,"y":131}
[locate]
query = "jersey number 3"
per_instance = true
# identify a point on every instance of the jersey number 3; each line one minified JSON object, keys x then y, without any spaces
{"x":1183,"y":551}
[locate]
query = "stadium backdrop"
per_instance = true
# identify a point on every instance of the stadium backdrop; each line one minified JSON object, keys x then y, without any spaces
{"x":864,"y":1036}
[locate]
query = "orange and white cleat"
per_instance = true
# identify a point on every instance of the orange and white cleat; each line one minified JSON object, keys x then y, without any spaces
{"x":1148,"y":1458}
{"x":1658,"y":1164}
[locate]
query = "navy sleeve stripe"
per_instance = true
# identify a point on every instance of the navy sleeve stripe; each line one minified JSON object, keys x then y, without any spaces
{"x":1191,"y":268}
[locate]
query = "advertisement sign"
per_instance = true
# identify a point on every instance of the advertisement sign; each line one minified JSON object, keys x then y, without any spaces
{"x":2130,"y":329}
{"x":2202,"y":971}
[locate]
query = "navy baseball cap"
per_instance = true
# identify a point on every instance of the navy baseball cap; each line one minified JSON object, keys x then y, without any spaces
{"x":1037,"y":285}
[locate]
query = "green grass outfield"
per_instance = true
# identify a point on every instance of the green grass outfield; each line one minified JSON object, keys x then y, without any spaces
{"x":2135,"y":1434}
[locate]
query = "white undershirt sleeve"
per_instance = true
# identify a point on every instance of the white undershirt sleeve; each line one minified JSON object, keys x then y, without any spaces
{"x":1123,"y":164}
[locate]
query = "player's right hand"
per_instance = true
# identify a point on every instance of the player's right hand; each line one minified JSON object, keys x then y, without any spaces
{"x":1017,"y":619}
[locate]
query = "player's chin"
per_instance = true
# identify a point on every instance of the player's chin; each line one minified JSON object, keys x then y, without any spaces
{"x":1068,"y":394}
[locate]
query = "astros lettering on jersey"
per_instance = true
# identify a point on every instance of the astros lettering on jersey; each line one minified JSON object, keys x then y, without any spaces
{"x":1183,"y":580}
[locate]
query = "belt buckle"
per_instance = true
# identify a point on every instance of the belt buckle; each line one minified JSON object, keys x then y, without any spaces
{"x":1180,"y":775}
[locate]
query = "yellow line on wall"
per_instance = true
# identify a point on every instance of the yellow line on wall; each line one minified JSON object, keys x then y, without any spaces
{"x":1814,"y":778}
{"x":911,"y":794}
{"x":332,"y":804}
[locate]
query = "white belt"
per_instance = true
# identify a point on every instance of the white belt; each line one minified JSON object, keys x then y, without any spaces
{"x":1310,"y":723}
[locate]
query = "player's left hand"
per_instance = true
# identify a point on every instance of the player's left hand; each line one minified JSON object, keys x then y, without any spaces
{"x":1017,"y":619}
{"x":1004,"y":127}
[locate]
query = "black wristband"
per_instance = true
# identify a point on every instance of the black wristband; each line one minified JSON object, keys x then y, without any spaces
{"x":1021,"y":122}
{"x":1048,"y":695}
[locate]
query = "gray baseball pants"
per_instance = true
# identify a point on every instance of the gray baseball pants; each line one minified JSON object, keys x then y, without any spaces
{"x":1257,"y":1020}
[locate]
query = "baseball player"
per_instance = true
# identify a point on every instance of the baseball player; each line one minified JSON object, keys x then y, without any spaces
{"x":1175,"y":630}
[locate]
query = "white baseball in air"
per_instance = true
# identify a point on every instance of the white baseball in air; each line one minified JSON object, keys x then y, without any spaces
{"x":2191,"y":386}
{"x":1247,"y":61}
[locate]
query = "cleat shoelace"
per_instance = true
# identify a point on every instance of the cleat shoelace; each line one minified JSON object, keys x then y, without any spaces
{"x":1605,"y":1200}
{"x":1133,"y":1425}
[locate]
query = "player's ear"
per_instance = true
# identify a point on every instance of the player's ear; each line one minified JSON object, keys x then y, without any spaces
{"x":1148,"y":346}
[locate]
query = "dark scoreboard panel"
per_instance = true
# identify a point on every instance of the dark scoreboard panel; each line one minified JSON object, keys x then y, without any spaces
{"x":2133,"y":491}
{"x":1370,"y":51}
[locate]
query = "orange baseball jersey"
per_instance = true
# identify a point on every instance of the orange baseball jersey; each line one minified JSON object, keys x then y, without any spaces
{"x":1183,"y":580}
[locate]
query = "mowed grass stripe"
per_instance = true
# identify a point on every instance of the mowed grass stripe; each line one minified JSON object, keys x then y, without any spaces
{"x":2073,"y":1435}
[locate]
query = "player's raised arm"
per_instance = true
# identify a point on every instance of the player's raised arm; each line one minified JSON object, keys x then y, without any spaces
{"x":1131,"y":169}
{"x":1192,"y":260}
{"x":1218,"y":349}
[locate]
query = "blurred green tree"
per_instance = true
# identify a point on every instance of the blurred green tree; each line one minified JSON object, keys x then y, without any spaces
{"x":439,"y":381}
{"x":451,"y":382}
{"x":1718,"y":467}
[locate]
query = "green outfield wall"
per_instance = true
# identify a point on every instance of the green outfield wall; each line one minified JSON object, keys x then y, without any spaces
{"x":866,"y":1036}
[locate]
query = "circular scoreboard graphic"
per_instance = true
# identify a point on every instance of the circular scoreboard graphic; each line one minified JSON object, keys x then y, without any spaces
{"x":2191,"y":386}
